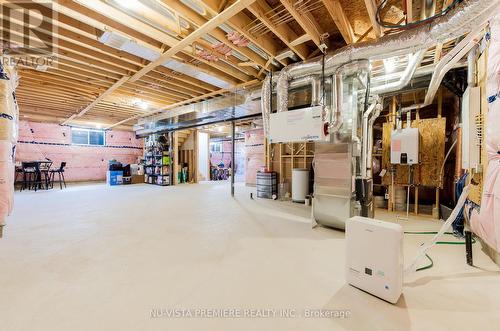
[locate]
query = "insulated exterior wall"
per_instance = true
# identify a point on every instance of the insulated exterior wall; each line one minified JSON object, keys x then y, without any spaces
{"x":486,"y":222}
{"x":38,"y":141}
{"x":255,"y":154}
{"x":8,"y":136}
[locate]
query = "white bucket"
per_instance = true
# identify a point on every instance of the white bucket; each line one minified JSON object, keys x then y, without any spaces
{"x":300,"y":184}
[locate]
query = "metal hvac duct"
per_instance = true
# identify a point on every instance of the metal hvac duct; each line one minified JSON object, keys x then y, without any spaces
{"x":413,"y":63}
{"x":459,"y":21}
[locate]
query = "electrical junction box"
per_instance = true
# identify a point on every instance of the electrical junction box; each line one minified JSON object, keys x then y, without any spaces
{"x":374,"y":257}
{"x":471,"y":106}
{"x":297,"y":125}
{"x":404,"y":146}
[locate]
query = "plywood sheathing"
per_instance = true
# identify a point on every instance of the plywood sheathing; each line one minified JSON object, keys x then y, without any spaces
{"x":477,"y":183}
{"x":432,"y":149}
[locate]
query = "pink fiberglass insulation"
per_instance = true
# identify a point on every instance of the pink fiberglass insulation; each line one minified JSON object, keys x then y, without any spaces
{"x":40,"y":141}
{"x":6,"y":180}
{"x":255,"y":154}
{"x":8,"y":135}
{"x":486,"y":223}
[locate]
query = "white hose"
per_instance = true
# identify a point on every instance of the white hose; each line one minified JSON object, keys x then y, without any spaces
{"x":425,"y":247}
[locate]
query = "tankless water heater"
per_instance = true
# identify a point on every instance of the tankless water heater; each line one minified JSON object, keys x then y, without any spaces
{"x":374,"y":257}
{"x":404,"y":146}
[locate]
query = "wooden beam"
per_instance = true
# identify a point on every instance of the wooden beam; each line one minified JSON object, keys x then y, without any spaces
{"x":241,"y":22}
{"x":193,"y":36}
{"x":371,"y":7}
{"x":264,"y":68}
{"x":438,"y":52}
{"x":247,"y":64}
{"x":300,"y":40}
{"x":305,"y":21}
{"x":338,"y":15}
{"x":148,"y":35}
{"x":196,"y":19}
{"x":409,"y":11}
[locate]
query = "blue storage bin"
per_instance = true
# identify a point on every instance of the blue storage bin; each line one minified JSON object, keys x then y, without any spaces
{"x":114,"y":178}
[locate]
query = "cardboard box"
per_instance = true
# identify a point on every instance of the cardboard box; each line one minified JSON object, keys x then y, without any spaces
{"x":137,"y":179}
{"x":114,"y":178}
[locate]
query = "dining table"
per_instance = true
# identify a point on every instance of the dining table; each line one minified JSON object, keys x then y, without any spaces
{"x":41,"y":168}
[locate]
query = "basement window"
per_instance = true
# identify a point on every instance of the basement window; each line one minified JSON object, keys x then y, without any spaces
{"x":88,"y":137}
{"x":216,"y":146}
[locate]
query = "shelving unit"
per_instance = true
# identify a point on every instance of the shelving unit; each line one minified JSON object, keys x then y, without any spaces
{"x":157,"y":166}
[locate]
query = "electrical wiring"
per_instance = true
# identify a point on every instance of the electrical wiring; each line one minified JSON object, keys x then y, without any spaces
{"x":412,"y":24}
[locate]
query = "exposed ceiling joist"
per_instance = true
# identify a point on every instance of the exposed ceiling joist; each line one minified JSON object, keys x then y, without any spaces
{"x":305,"y":20}
{"x":371,"y":7}
{"x":409,"y":11}
{"x":300,"y":40}
{"x":262,"y":11}
{"x":101,"y":97}
{"x":113,"y":14}
{"x":91,"y":80}
{"x":193,"y":36}
{"x":217,"y":33}
{"x":339,"y":17}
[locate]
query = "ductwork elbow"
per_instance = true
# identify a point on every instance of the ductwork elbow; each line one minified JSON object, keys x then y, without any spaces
{"x":265,"y":103}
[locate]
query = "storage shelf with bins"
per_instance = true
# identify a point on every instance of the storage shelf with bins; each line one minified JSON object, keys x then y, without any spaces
{"x":157,"y":167}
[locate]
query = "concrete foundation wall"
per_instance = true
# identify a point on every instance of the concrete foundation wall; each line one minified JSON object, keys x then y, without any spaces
{"x":40,"y":141}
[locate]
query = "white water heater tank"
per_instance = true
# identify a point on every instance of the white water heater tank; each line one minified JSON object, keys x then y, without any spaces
{"x":300,"y":184}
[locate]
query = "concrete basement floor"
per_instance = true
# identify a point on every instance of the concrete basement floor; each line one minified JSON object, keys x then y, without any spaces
{"x":94,"y":257}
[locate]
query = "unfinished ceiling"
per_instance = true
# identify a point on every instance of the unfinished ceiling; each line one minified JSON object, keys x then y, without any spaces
{"x":116,"y":60}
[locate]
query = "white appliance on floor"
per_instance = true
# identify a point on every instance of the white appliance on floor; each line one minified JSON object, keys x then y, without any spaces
{"x":374,"y":257}
{"x":300,"y":184}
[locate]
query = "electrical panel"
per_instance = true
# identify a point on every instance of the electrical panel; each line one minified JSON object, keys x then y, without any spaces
{"x":297,"y":125}
{"x":471,"y":114}
{"x":404,"y":146}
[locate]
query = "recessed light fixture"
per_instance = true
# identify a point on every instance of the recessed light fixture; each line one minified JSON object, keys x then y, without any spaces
{"x":140,"y":104}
